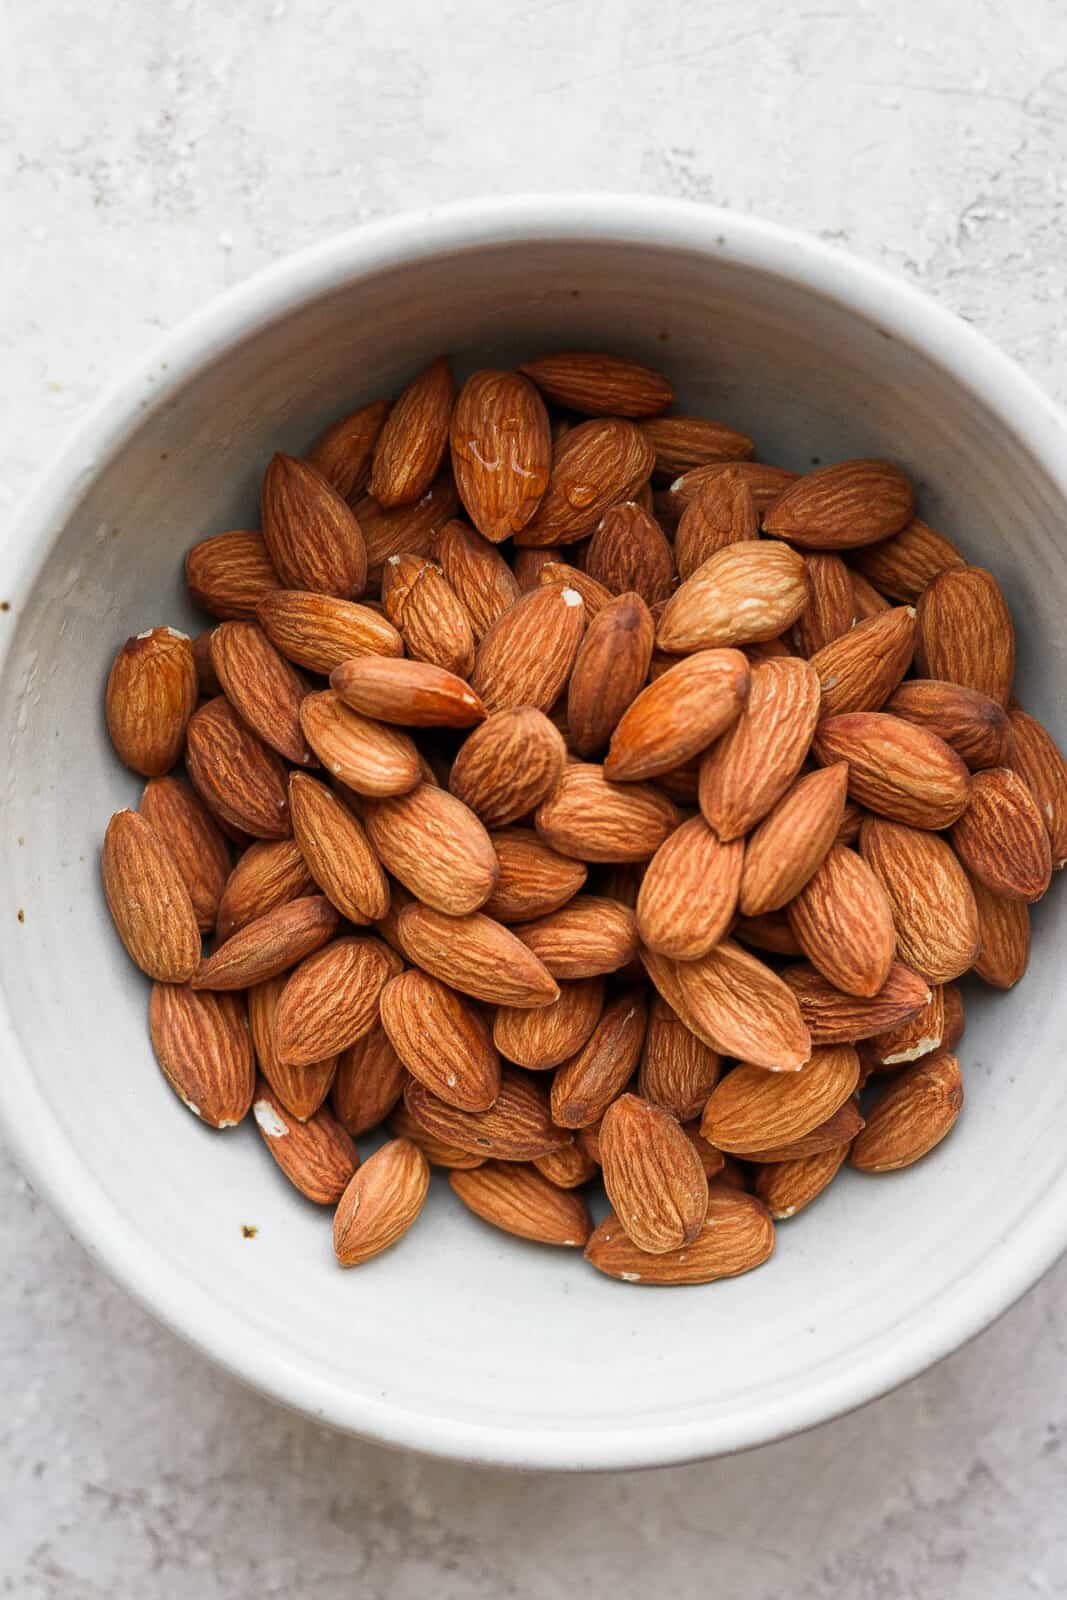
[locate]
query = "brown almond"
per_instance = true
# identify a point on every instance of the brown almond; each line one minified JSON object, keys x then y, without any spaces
{"x":531,"y":562}
{"x":765,"y":483}
{"x":318,"y":631}
{"x":302,"y":1087}
{"x":609,"y":670}
{"x":933,"y":908}
{"x":860,"y":670}
{"x":922,"y":1034}
{"x":508,"y":766}
{"x":1001,"y":838}
{"x":477,"y":956}
{"x":366,"y":755}
{"x":721,"y":513}
{"x":896,"y":769}
{"x":1035,"y":756}
{"x":769,"y":931}
{"x":312,"y":535}
{"x":689,"y":893}
{"x":368,"y":1083}
{"x":148,"y":900}
{"x":267,"y":875}
{"x":588,"y":817}
{"x":238,"y":777}
{"x":595,"y":595}
{"x":600,"y":385}
{"x":866,"y":598}
{"x":786,"y":1187}
{"x":532,"y":879}
{"x":516,"y":1127}
{"x":840,"y":1128}
{"x":974,"y":725}
{"x":194,"y":843}
{"x":518,"y":1199}
{"x":736,"y":1004}
{"x":966,"y":634}
{"x":501,"y":451}
{"x":737,"y":1235}
{"x":412,"y":442}
{"x":831,"y":608}
{"x":750,"y":1109}
{"x":832,"y":1017}
{"x":653,"y":1176}
{"x":792,"y":841}
{"x":380,"y":1203}
{"x":207,"y":683}
{"x":151,"y":693}
{"x":840,"y":506}
{"x":338,"y":854}
{"x":405,"y":530}
{"x":678,"y":1070}
{"x":905,"y":564}
{"x":261,"y":686}
{"x":914,"y":1114}
{"x":317,"y":1156}
{"x":753,"y":764}
{"x":546,"y":1036}
{"x":568,"y":1168}
{"x":586,"y":1084}
{"x":331,"y":999}
{"x":229,"y":573}
{"x":594,"y":466}
{"x":746,"y":592}
{"x":844,"y":923}
{"x":628,"y":553}
{"x":269,"y":944}
{"x":526,"y":657}
{"x":421,"y":603}
{"x":682,"y":443}
{"x":483,"y":582}
{"x":415,"y":694}
{"x":442,"y":1039}
{"x":1003,"y":938}
{"x":679,"y":715}
{"x":589,"y":936}
{"x":954,"y":1020}
{"x":343,"y":452}
{"x":438,"y":1152}
{"x":436,"y":846}
{"x":202,"y":1045}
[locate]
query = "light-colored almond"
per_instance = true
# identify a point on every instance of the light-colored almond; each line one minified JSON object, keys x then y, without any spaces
{"x":547,"y":1035}
{"x":753,"y":764}
{"x":933,"y":907}
{"x":746,"y":592}
{"x":896,"y":769}
{"x":517,"y":1198}
{"x":792,"y":841}
{"x":202,"y":1045}
{"x":508,"y":766}
{"x":919,"y":1108}
{"x":442,"y":1039}
{"x":369,"y":757}
{"x":148,"y":900}
{"x":689,"y":893}
{"x":737,"y":1235}
{"x":1002,"y":839}
{"x":501,"y":451}
{"x":477,"y":956}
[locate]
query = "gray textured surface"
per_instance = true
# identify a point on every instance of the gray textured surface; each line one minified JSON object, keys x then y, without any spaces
{"x":150,"y":155}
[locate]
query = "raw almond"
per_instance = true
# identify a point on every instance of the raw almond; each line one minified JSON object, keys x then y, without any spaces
{"x":438,"y":1152}
{"x":844,"y":923}
{"x":835,"y":1018}
{"x":300,"y":1088}
{"x":269,"y":944}
{"x":966,"y":634}
{"x":261,"y":686}
{"x":681,"y":443}
{"x":442,"y":1039}
{"x":1004,"y":938}
{"x":202,"y":1045}
{"x":600,"y":385}
{"x":588,"y":817}
{"x":594,"y":466}
{"x":207,"y":683}
{"x":792,"y":841}
{"x":317,"y":1156}
{"x":974,"y":725}
{"x":367,"y":756}
{"x":194,"y":843}
{"x":239,"y":779}
{"x":722,"y":513}
{"x":230,"y":573}
{"x":437,"y":848}
{"x":1035,"y":756}
{"x":532,"y":880}
{"x":595,"y":595}
{"x":1001,"y":838}
{"x":585,"y":1085}
{"x":713,"y":1161}
{"x":749,"y":769}
{"x":531,"y":563}
{"x":689,"y":893}
{"x":343,"y":452}
{"x":750,"y":1109}
{"x":546,"y":1036}
{"x":899,"y":770}
{"x":678,"y":1070}
{"x":679,"y":715}
{"x":368,"y":1083}
{"x":526,"y":657}
{"x":318,"y":631}
{"x":831,"y":608}
{"x":415,"y":694}
{"x":743,"y":593}
{"x":587,"y":937}
{"x":476,"y":955}
{"x":148,"y":900}
{"x":380,"y":1203}
{"x":736,"y":1004}
{"x":421,"y":603}
{"x":405,"y":530}
{"x":851,"y":821}
{"x":737,"y":1235}
{"x":609,"y":670}
{"x":905,"y":564}
{"x":868,"y":602}
{"x":338,"y":854}
{"x":838,"y":507}
{"x":267,"y":875}
{"x":840,"y":1128}
{"x":628,"y":553}
{"x":914,"y":1114}
{"x":331,"y":999}
{"x":653,"y":1176}
{"x":508,"y":766}
{"x":786,"y":1187}
{"x":413,"y":439}
{"x":568,"y":1168}
{"x":151,"y":693}
{"x":501,"y":451}
{"x":518,"y":1199}
{"x":924,"y":1033}
{"x":517,"y":1127}
{"x":765,"y":483}
{"x":769,"y":931}
{"x":483,"y":582}
{"x":311,"y":534}
{"x":860,"y":670}
{"x":933,"y":908}
{"x":952,"y":1001}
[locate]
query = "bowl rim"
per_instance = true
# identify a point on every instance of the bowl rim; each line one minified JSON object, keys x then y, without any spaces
{"x":963,"y":1306}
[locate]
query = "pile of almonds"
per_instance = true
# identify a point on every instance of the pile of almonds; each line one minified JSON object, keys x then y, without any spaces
{"x":456,"y":790}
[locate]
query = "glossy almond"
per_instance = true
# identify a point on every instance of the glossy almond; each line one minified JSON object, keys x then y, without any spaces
{"x":317,"y":1156}
{"x":517,"y":1127}
{"x":269,"y":944}
{"x":1035,"y":756}
{"x":966,"y":634}
{"x":919,"y":1036}
{"x":652,"y":1174}
{"x":689,"y":893}
{"x":368,"y":1083}
{"x":753,"y":764}
{"x":518,"y":1199}
{"x":721,"y":513}
{"x":588,"y":817}
{"x":786,"y":1187}
{"x":526,"y":657}
{"x":414,"y":694}
{"x":533,"y":880}
{"x":509,"y":765}
{"x":436,"y":846}
{"x":331,"y":999}
{"x":343,"y":452}
{"x":748,"y":591}
{"x":483,"y":582}
{"x":237,"y":776}
{"x":678,"y":1070}
{"x":267,"y":875}
{"x":501,"y":451}
{"x":840,"y":506}
{"x":896,"y":769}
{"x":302,"y":1087}
{"x":905,"y":564}
{"x":629,"y":553}
{"x":405,"y":530}
{"x":832,"y":1017}
{"x":442,"y":1039}
{"x":151,"y":693}
{"x":594,"y":466}
{"x":366,"y":755}
{"x":840,"y":1128}
{"x":679,"y":715}
{"x":860,"y":670}
{"x":736,"y":1004}
{"x":476,"y":955}
{"x":933,"y":907}
{"x":792,"y":841}
{"x":919,"y":1108}
{"x":737,"y":1235}
{"x":229,"y":573}
{"x":202,"y":1045}
{"x":318,"y":631}
{"x":148,"y":900}
{"x":1003,"y":938}
{"x":974,"y":725}
{"x":193,"y":841}
{"x":426,"y":610}
{"x":609,"y":670}
{"x":412,"y":442}
{"x":1002,"y":839}
{"x":681,"y":443}
{"x":311,"y":534}
{"x":750,"y":1109}
{"x":586,"y":1084}
{"x":262,"y":687}
{"x":380,"y":1203}
{"x":546,"y":1036}
{"x":844,"y":923}
{"x":587,"y":937}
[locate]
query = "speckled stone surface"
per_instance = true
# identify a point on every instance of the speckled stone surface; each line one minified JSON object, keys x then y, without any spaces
{"x":151,"y":155}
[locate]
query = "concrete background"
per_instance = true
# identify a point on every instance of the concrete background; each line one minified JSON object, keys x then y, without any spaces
{"x":151,"y":154}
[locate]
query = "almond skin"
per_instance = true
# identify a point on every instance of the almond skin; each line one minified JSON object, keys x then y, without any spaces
{"x":300,"y":1088}
{"x":587,"y":937}
{"x":317,"y":1156}
{"x":420,"y":603}
{"x":751,"y":1109}
{"x":311,"y":534}
{"x":516,"y":1198}
{"x":588,"y":817}
{"x":261,"y":686}
{"x":568,"y":1168}
{"x":868,"y":602}
{"x":974,"y":725}
{"x":600,"y":385}
{"x":476,"y":955}
{"x":722,"y":513}
{"x":966,"y":634}
{"x":415,"y":694}
{"x":239,"y":779}
{"x":609,"y":670}
{"x":331,"y":999}
{"x":736,"y":1236}
{"x":151,"y":693}
{"x":838,"y":507}
{"x":343,"y":452}
{"x":933,"y":907}
{"x":769,"y":931}
{"x":749,"y":769}
{"x":1035,"y":756}
{"x":148,"y":900}
{"x":678,"y":1070}
{"x":545,"y":1037}
{"x":860,"y":670}
{"x":202,"y":1045}
{"x":924,"y":1033}
{"x":380,"y":1203}
{"x":915,"y":1113}
{"x":831,"y":608}
{"x":508,"y":766}
{"x":585,"y":1085}
{"x":193,"y":841}
{"x":413,"y":439}
{"x":736,"y":1004}
{"x":628,"y":553}
{"x":366,"y":755}
{"x":532,"y":879}
{"x":904,"y":565}
{"x":896,"y":769}
{"x":653,"y":1176}
{"x":318,"y":631}
{"x":368,"y":1083}
{"x":337,"y":851}
{"x":442,"y":1039}
{"x":269,"y":944}
{"x":437,"y":848}
{"x":526,"y":657}
{"x":840,"y":1128}
{"x":483,"y":582}
{"x":786,"y":1187}
{"x":517,"y":1127}
{"x":765,"y":483}
{"x":1003,"y":938}
{"x":438,"y":1152}
{"x":954,"y":1018}
{"x":1001,"y":838}
{"x":844,"y":923}
{"x":405,"y":530}
{"x":594,"y":595}
{"x":748,"y":591}
{"x":689,"y":893}
{"x":682,"y":443}
{"x":501,"y":451}
{"x":792,"y":841}
{"x":594,"y":466}
{"x":679,"y":715}
{"x":835,"y":1018}
{"x":267,"y":875}
{"x":229,"y":573}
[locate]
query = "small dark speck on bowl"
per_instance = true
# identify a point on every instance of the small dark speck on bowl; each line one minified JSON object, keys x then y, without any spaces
{"x":248,"y":1231}
{"x":5,"y":605}
{"x":21,"y":914}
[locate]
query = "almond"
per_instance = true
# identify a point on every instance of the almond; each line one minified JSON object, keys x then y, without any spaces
{"x":924,"y":1033}
{"x":736,"y":1004}
{"x":1004,"y":938}
{"x":679,"y":715}
{"x":412,"y":442}
{"x":318,"y":631}
{"x":312,"y":535}
{"x":835,"y":1018}
{"x":769,"y":931}
{"x":713,"y":1161}
{"x":966,"y":634}
{"x":405,"y":530}
{"x":1001,"y":838}
{"x":689,"y":893}
{"x":745,"y":592}
{"x":380,"y":1203}
{"x":933,"y":908}
{"x":517,"y":1127}
{"x":261,"y":686}
{"x":369,"y":1081}
{"x":151,"y":693}
{"x":207,"y":683}
{"x":269,"y":944}
{"x":526,"y":657}
{"x":860,"y":670}
{"x":838,"y":507}
{"x":844,"y":923}
{"x":595,"y":596}
{"x":840,"y":1128}
{"x":437,"y":848}
{"x":1035,"y":756}
{"x":438,"y":1152}
{"x":568,"y":1168}
{"x":317,"y":1156}
{"x":678,"y":1070}
{"x":588,"y":817}
{"x":415,"y":694}
{"x":587,"y":937}
{"x":851,"y":821}
{"x":442,"y":1039}
{"x":589,"y":1081}
{"x":756,"y":760}
{"x":681,"y":443}
{"x":594,"y":466}
{"x":765,"y":483}
{"x":300,"y":1088}
{"x":530,"y":563}
{"x":533,"y":880}
{"x":954,"y":1020}
{"x":600,"y":385}
{"x":721,"y":513}
{"x":628,"y":553}
{"x":831,"y":608}
{"x":545,"y":1037}
{"x":148,"y":900}
{"x":792,"y":841}
{"x":267,"y":875}
{"x":682,"y":783}
{"x":331,"y":999}
{"x":202,"y":1045}
{"x":974,"y":725}
{"x":483,"y":582}
{"x":899,"y":770}
{"x":239,"y":779}
{"x":866,"y":599}
{"x":337,"y":852}
{"x":367,"y":756}
{"x":420,"y":602}
{"x":737,"y":1235}
{"x":653,"y":1175}
{"x":609,"y":670}
{"x":904,"y":565}
{"x":229,"y":573}
{"x":476,"y":955}
{"x":508,"y":766}
{"x":516,"y":1198}
{"x":194,"y":843}
{"x":914,"y":1114}
{"x":786,"y":1187}
{"x":343,"y":452}
{"x":501,"y":451}
{"x":750,"y":1109}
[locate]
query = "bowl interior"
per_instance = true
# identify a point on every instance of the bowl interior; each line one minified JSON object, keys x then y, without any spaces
{"x":464,"y":1340}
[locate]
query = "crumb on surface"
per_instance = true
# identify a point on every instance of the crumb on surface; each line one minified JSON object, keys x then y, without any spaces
{"x":248,"y":1231}
{"x":21,"y":914}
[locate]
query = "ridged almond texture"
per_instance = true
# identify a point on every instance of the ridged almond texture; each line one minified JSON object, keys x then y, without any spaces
{"x":518,"y":1199}
{"x":594,"y":466}
{"x":832,"y":1017}
{"x":483,"y":582}
{"x":546,"y":1036}
{"x":920,"y":1106}
{"x":896,"y":769}
{"x":533,"y":880}
{"x":868,"y":602}
{"x":442,"y":1039}
{"x":331,"y":999}
{"x":840,"y":1128}
{"x":267,"y":875}
{"x":1036,"y":757}
{"x":595,"y":596}
{"x":311,"y":534}
{"x":923,"y":1033}
{"x":750,"y":1109}
{"x":903,"y":565}
{"x":722,"y":513}
{"x":476,"y":955}
{"x":860,"y":670}
{"x":194,"y":842}
{"x":786,"y":1187}
{"x":1003,"y":937}
{"x":974,"y":725}
{"x":151,"y":693}
{"x":405,"y":530}
{"x":269,"y":944}
{"x":517,"y":1126}
{"x":422,"y":605}
{"x":689,"y":893}
{"x":735,"y":1004}
{"x":585,"y":1085}
{"x":840,"y":506}
{"x":681,"y":443}
{"x":413,"y":694}
{"x":380,"y":1203}
{"x":966,"y":634}
{"x":337,"y":851}
{"x":262,"y":687}
{"x":843,"y":922}
{"x":568,"y":1168}
{"x":737,"y":1235}
{"x":600,"y":385}
{"x":653,"y":1175}
{"x":933,"y":907}
{"x":748,"y":591}
{"x":300,"y":1088}
{"x":679,"y":715}
{"x":587,"y":937}
{"x":526,"y":657}
{"x":318,"y":631}
{"x":438,"y":1152}
{"x":317,"y":1156}
{"x":509,"y":765}
{"x":588,"y":817}
{"x":368,"y":1083}
{"x":749,"y":769}
{"x":343,"y":452}
{"x":629,"y":553}
{"x":831,"y":607}
{"x":202,"y":1045}
{"x":229,"y":573}
{"x":366,"y":755}
{"x":239,"y":779}
{"x":148,"y":900}
{"x":609,"y":670}
{"x":792,"y":841}
{"x":501,"y":451}
{"x":413,"y":440}
{"x":1002,"y":839}
{"x":437,"y":848}
{"x":765,"y":483}
{"x":678,"y":1070}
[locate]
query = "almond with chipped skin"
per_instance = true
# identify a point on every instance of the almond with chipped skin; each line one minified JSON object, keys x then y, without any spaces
{"x":202,"y":1045}
{"x":317,"y":1156}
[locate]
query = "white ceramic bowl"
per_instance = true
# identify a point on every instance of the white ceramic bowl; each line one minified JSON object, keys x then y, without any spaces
{"x":464,"y":1342}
